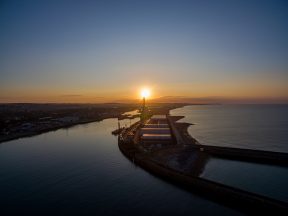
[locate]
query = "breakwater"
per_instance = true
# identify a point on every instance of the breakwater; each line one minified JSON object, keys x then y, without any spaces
{"x":242,"y":200}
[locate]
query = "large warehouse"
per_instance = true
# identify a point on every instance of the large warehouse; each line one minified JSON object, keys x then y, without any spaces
{"x":156,"y":131}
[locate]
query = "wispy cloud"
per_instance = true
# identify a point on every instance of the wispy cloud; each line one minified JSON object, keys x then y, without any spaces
{"x":71,"y":95}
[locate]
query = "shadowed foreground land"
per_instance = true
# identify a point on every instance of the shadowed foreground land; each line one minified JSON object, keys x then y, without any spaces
{"x":185,"y":158}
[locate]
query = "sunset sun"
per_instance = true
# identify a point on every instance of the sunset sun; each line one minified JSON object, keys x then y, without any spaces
{"x":145,"y":93}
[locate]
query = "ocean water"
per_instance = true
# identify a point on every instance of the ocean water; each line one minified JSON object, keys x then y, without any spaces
{"x":262,"y":179}
{"x":263,"y":127}
{"x":80,"y":171}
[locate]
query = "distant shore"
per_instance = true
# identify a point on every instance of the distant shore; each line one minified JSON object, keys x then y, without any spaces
{"x":34,"y":133}
{"x":26,"y":120}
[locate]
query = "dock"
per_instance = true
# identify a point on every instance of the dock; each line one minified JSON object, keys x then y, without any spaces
{"x":249,"y":155}
{"x":148,"y":156}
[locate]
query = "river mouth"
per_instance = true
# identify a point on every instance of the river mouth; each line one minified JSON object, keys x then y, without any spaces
{"x":80,"y":170}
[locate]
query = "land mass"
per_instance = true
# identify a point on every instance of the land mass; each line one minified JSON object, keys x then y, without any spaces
{"x":181,"y":160}
{"x":28,"y":119}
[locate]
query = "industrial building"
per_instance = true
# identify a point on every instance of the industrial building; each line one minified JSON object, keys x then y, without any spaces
{"x":156,"y":132}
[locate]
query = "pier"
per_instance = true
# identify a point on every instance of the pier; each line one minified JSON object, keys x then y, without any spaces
{"x":155,"y":158}
{"x":251,"y":155}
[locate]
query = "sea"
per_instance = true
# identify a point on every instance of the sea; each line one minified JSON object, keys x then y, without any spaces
{"x":81,"y":171}
{"x":260,"y":127}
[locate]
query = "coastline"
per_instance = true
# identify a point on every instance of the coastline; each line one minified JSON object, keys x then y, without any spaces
{"x":110,"y":113}
{"x":161,"y":163}
{"x":220,"y":193}
{"x":54,"y":128}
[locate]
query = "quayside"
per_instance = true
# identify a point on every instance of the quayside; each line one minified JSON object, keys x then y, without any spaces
{"x":162,"y":146}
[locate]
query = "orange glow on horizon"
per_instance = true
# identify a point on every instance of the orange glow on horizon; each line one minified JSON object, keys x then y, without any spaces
{"x":253,"y":91}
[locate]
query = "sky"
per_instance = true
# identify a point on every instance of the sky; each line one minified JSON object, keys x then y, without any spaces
{"x":102,"y":51}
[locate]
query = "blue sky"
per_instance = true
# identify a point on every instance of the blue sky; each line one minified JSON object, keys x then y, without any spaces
{"x":108,"y":49}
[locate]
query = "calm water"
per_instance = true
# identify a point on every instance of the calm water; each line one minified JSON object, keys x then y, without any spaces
{"x":262,"y":127}
{"x":81,"y":171}
{"x":258,"y":178}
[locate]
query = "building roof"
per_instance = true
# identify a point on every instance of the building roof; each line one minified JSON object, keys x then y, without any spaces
{"x":156,"y":137}
{"x":156,"y":126}
{"x":155,"y":131}
{"x":159,"y":117}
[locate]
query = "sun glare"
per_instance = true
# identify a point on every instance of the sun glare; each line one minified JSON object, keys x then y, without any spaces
{"x":145,"y":93}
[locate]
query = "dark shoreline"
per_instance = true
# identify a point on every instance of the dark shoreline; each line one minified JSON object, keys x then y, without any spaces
{"x":234,"y":198}
{"x":219,"y":193}
{"x":156,"y":164}
{"x":35,"y":133}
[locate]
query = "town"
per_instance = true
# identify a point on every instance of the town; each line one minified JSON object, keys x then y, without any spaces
{"x":25,"y":119}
